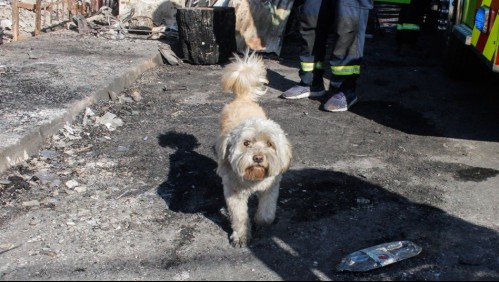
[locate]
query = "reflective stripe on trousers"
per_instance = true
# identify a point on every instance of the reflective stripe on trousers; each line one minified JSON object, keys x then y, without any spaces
{"x":345,"y":70}
{"x":408,"y":26}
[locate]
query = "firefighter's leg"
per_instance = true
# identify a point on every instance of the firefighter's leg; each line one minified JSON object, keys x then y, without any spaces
{"x":319,"y":51}
{"x":313,"y":18}
{"x":411,"y":18}
{"x":346,"y":56}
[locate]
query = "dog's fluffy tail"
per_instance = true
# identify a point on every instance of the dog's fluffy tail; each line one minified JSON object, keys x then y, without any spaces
{"x":245,"y":76}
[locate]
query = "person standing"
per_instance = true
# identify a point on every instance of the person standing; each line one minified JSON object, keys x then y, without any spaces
{"x":346,"y":21}
{"x":411,"y":20}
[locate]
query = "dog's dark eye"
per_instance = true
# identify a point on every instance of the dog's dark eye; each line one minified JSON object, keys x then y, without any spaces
{"x":270,"y":144}
{"x":246,"y":143}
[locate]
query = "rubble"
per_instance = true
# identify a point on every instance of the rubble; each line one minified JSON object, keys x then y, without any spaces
{"x":110,"y":121}
{"x":105,"y":24}
{"x":169,"y":56}
{"x":61,"y":169}
{"x":26,"y":21}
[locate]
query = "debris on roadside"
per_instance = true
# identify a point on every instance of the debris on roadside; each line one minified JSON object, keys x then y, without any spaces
{"x":112,"y":95}
{"x":48,"y":178}
{"x":135,"y":94}
{"x":124,"y":99}
{"x":169,"y":56}
{"x":4,"y":38}
{"x":7,"y":248}
{"x":3,"y":69}
{"x":71,"y":132}
{"x":72,"y":166}
{"x":31,"y":21}
{"x":180,"y":88}
{"x":88,"y":114}
{"x":141,"y":23}
{"x":105,"y":24}
{"x":48,"y":252}
{"x":6,"y":24}
{"x":49,"y":154}
{"x":5,"y":182}
{"x":109,"y":120}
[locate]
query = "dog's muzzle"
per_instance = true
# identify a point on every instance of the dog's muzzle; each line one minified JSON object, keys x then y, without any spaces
{"x":255,"y":173}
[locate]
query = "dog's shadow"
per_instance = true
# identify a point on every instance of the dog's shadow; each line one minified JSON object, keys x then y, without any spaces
{"x":192,"y":185}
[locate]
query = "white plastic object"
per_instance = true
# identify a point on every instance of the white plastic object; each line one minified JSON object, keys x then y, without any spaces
{"x":378,"y":256}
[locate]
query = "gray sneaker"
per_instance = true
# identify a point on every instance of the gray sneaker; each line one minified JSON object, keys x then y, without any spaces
{"x":302,"y":91}
{"x":340,"y":103}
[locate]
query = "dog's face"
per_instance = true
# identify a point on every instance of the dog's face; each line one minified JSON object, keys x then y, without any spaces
{"x":256,"y":149}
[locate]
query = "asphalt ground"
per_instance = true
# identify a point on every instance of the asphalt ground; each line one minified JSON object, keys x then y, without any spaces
{"x":47,"y":80}
{"x":416,"y":159}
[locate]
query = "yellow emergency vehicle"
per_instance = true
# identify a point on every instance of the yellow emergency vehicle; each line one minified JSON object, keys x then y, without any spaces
{"x":472,"y":25}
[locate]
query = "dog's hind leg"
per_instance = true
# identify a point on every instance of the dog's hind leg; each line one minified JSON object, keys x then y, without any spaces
{"x":237,"y":203}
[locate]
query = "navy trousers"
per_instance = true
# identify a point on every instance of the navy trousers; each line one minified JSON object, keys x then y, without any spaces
{"x":339,"y":22}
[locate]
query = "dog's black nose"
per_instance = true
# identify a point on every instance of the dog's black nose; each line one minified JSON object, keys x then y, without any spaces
{"x":258,"y":158}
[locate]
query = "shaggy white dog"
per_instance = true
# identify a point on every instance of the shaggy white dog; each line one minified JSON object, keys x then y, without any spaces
{"x":252,"y":150}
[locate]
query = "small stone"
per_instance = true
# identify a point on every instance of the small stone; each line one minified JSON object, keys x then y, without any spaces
{"x":183,"y":276}
{"x":123,"y":99}
{"x":4,"y":247}
{"x":32,"y":56}
{"x":363,"y":201}
{"x":48,"y":178}
{"x":112,"y":95}
{"x":123,"y":148}
{"x":72,"y":184}
{"x":49,"y":154}
{"x":110,"y":121}
{"x":69,"y":192}
{"x":6,"y":24}
{"x":48,"y":253}
{"x":33,"y":203}
{"x":81,"y":189}
{"x":135,"y":94}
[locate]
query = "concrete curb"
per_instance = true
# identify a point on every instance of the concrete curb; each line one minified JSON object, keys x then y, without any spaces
{"x":30,"y":143}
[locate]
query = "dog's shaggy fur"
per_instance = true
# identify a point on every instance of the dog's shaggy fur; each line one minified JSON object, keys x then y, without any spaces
{"x":252,"y":150}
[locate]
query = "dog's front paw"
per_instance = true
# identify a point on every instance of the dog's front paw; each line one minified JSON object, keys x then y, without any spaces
{"x":239,"y":241}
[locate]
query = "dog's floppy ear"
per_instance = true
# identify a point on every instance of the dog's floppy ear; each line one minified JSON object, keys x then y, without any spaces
{"x":282,"y":147}
{"x":222,"y":147}
{"x":284,"y":152}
